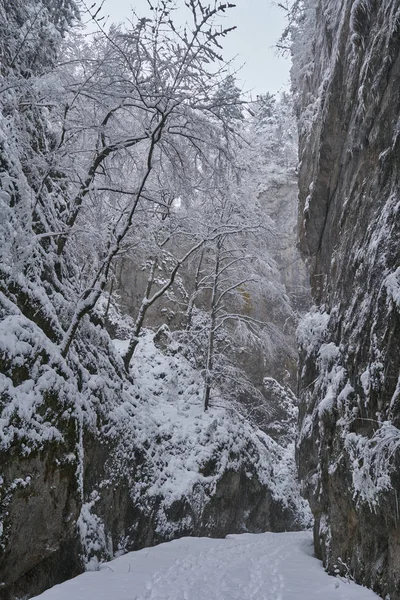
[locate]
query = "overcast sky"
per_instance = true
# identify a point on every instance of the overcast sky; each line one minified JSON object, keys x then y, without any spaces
{"x":259,"y":24}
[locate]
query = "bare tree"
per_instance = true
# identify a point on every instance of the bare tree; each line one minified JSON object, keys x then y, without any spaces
{"x":235,"y":278}
{"x":142,"y":109}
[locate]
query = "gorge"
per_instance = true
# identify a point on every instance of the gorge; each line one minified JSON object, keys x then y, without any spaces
{"x":147,"y":207}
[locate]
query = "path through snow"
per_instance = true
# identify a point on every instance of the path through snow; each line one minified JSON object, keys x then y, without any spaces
{"x":268,"y":566}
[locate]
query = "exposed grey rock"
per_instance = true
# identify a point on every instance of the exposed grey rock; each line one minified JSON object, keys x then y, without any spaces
{"x":41,"y":546}
{"x":348,"y":451}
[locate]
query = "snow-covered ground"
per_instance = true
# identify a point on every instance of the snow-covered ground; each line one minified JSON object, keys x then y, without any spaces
{"x":267,"y":566}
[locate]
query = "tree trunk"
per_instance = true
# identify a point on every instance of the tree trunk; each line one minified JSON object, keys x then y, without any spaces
{"x":189,"y":312}
{"x":210,"y":349}
{"x":146,"y":303}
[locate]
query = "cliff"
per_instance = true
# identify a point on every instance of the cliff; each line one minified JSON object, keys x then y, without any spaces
{"x":347,"y":75}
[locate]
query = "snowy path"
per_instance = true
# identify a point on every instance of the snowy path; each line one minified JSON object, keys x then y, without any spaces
{"x":269,"y":566}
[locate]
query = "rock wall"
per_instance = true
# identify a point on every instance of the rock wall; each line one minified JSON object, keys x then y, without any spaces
{"x":347,"y":78}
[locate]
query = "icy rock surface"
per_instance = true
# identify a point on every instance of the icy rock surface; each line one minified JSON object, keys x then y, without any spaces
{"x":347,"y":77}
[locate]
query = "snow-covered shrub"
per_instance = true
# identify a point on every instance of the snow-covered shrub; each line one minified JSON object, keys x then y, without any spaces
{"x":373,"y":462}
{"x":95,"y":546}
{"x":312,"y":330}
{"x":186,"y":449}
{"x":360,"y":15}
{"x":392,"y":283}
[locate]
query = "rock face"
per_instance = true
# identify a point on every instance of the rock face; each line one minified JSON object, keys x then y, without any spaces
{"x":40,"y":544}
{"x":347,"y":78}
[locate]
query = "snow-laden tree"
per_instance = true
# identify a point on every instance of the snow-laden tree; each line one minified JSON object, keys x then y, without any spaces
{"x":297,"y":41}
{"x":130,"y":112}
{"x":91,"y":144}
{"x":134,"y":143}
{"x":232,"y":274}
{"x":212,"y":252}
{"x":32,"y":182}
{"x":30,"y":34}
{"x":252,"y":314}
{"x":273,"y":131}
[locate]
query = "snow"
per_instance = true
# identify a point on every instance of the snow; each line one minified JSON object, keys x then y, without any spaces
{"x":392,"y":283}
{"x":267,"y":566}
{"x":332,"y":376}
{"x":180,"y":439}
{"x":360,"y":10}
{"x":312,"y":330}
{"x":311,"y":335}
{"x":372,"y":462}
{"x":92,"y":534}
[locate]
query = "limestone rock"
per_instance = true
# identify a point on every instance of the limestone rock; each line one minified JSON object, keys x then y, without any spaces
{"x":348,"y":80}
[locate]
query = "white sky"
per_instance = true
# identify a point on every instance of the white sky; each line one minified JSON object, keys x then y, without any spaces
{"x":259,"y":24}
